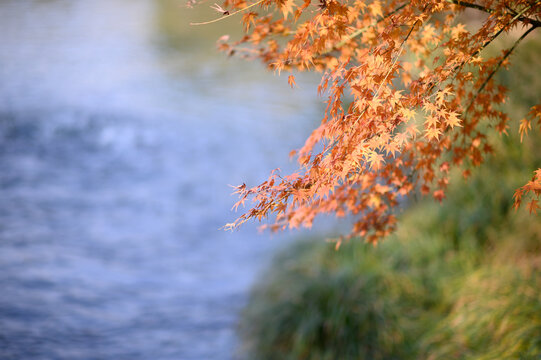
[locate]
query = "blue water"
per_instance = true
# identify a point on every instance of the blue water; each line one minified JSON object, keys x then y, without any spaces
{"x":116,"y":151}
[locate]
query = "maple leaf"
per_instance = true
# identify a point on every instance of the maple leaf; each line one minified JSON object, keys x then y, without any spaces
{"x":431,"y":121}
{"x":407,"y":113}
{"x":533,"y":205}
{"x":444,"y":167}
{"x":286,"y":7}
{"x":429,"y":34}
{"x":248,"y":19}
{"x":376,"y":160}
{"x":439,"y":195}
{"x":291,"y":81}
{"x":451,"y":119}
{"x":432,"y":133}
{"x":375,"y":8}
{"x":458,"y":30}
{"x":524,"y":127}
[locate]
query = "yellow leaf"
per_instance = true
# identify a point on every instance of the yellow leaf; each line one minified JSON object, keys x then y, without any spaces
{"x":453,"y":120}
{"x":457,"y":30}
{"x":375,"y":8}
{"x":433,"y":133}
{"x":286,"y":7}
{"x":407,"y":113}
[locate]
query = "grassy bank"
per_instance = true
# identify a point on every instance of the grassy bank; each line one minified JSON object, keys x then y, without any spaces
{"x":460,"y":280}
{"x":415,"y":296}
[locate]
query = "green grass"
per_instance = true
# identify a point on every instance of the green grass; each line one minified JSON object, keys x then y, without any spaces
{"x":415,"y":296}
{"x":316,"y":306}
{"x":496,"y":314}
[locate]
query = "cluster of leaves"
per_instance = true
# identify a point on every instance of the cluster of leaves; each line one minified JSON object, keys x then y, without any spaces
{"x":454,"y":282}
{"x":410,"y":95}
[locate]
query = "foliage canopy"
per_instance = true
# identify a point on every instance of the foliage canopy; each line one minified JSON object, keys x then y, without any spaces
{"x":410,"y":96}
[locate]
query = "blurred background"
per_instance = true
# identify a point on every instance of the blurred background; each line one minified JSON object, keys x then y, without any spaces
{"x":121,"y":127}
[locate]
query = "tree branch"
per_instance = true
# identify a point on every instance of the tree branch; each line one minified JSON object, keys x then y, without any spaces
{"x":457,"y":68}
{"x":490,"y":11}
{"x":508,"y":52}
{"x":228,"y":15}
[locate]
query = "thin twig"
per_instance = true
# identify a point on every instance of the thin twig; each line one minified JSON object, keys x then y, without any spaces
{"x":490,"y":11}
{"x":457,"y":68}
{"x":363,"y":29}
{"x":482,"y":87}
{"x":395,"y":59}
{"x":226,"y":16}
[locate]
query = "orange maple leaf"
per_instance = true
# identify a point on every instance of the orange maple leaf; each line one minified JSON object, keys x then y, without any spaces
{"x":291,"y":81}
{"x":533,"y":206}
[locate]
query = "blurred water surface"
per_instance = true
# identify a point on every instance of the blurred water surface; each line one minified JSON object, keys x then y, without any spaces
{"x":120,"y":130}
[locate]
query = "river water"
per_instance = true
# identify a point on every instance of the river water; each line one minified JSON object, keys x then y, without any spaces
{"x":120,"y":130}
